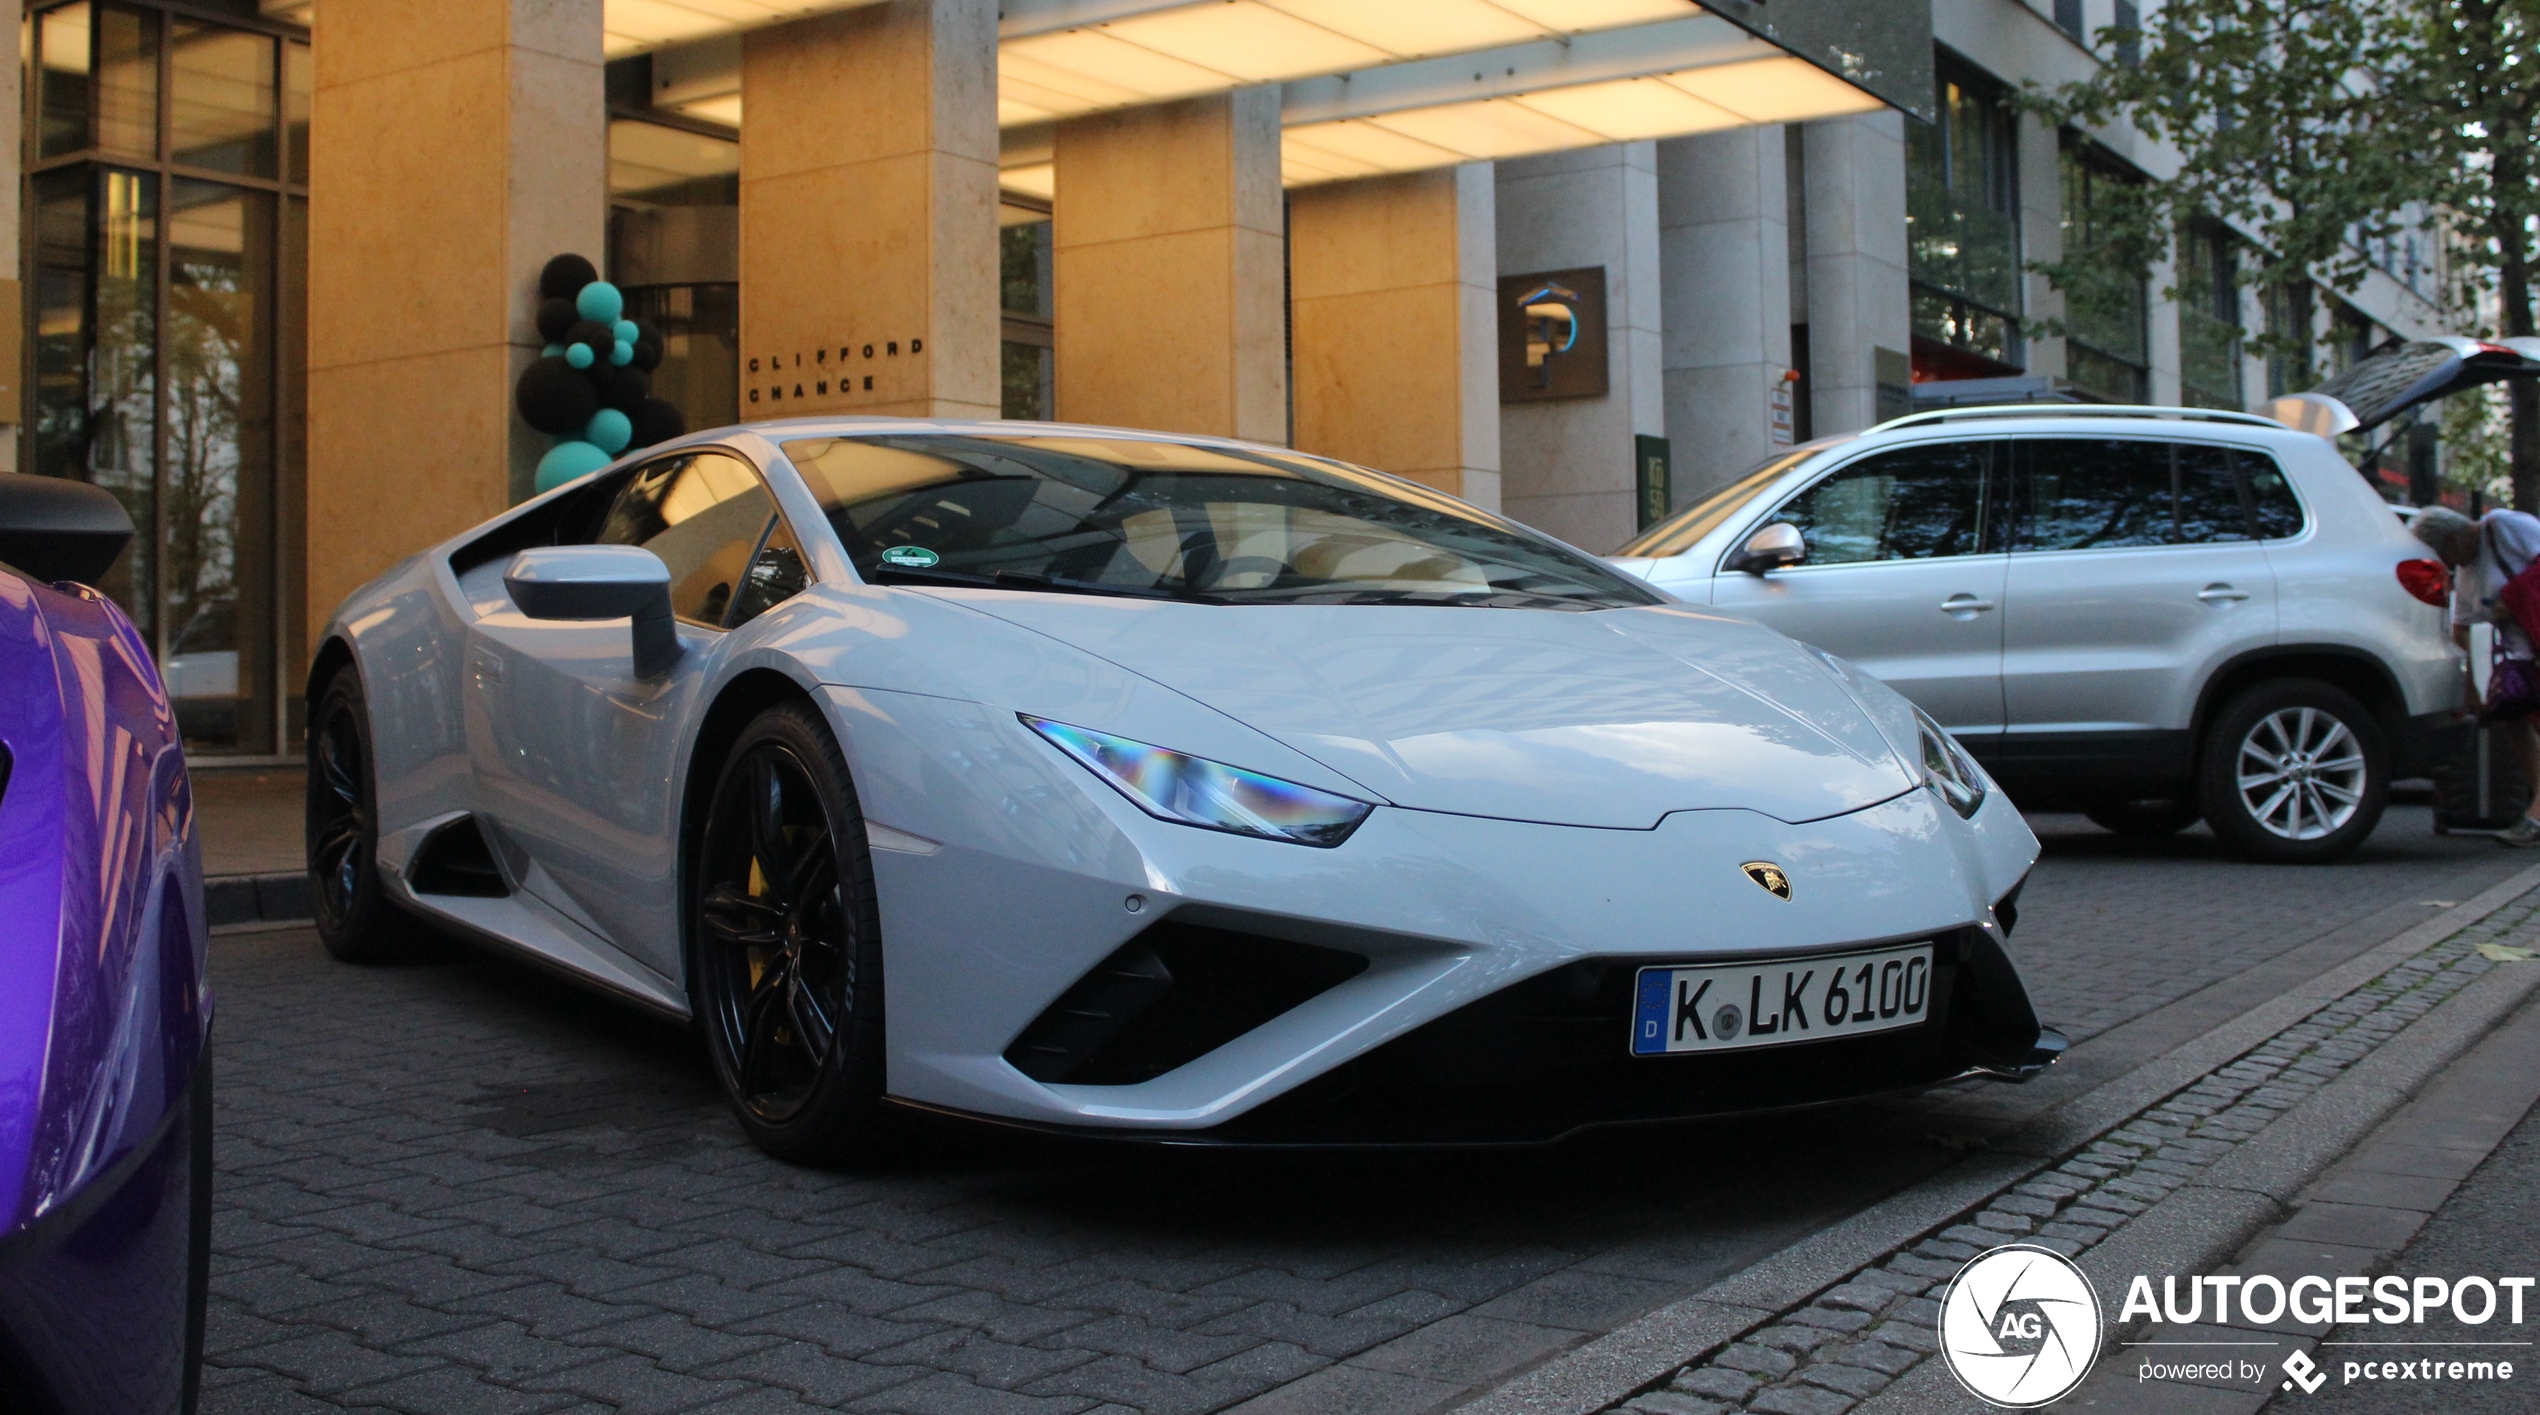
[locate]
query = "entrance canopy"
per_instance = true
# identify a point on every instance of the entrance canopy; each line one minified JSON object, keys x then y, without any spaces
{"x":1377,"y":86}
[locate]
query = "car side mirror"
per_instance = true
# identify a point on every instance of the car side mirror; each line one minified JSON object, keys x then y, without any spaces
{"x":52,"y":528}
{"x":1770,"y":548}
{"x":601,"y":582}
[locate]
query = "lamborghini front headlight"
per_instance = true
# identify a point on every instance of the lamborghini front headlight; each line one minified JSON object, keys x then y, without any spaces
{"x":1187,"y":790}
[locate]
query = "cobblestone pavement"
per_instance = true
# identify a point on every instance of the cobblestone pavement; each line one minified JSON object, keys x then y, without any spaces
{"x":1855,"y":1338}
{"x":461,"y":1187}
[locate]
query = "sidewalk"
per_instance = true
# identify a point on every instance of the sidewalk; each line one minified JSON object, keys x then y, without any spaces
{"x":249,"y":824}
{"x":2172,"y":1168}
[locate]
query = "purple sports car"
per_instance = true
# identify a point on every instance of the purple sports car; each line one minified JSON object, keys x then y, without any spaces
{"x":105,"y":1017}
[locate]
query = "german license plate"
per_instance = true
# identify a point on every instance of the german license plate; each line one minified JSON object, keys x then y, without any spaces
{"x":1772,"y":1002}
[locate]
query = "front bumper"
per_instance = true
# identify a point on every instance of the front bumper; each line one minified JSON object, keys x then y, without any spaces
{"x":1040,"y":888}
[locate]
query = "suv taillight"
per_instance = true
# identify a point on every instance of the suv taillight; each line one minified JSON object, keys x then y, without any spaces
{"x":2427,"y":580}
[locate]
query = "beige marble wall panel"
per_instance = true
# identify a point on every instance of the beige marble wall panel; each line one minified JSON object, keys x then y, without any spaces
{"x":1377,"y":380}
{"x":391,"y":471}
{"x":1167,"y":256}
{"x":1391,"y":280}
{"x":456,"y":145}
{"x":868,"y":213}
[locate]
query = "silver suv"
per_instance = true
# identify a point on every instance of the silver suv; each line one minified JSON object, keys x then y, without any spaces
{"x":2149,"y":615}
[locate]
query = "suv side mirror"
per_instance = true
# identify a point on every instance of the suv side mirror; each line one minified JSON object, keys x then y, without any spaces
{"x":53,"y":529}
{"x":1770,"y":548}
{"x":601,"y":582}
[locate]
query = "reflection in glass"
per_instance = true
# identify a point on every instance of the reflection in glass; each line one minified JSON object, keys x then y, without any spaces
{"x":2097,"y":493}
{"x":1916,"y":503}
{"x":217,"y":576}
{"x":299,"y":80}
{"x":99,"y":81}
{"x":221,"y":108}
{"x":96,"y":275}
{"x":700,"y":371}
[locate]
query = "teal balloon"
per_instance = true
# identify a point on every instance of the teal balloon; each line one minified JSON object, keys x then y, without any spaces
{"x":568,"y":460}
{"x":551,"y":351}
{"x":627,"y":333}
{"x":610,"y":431}
{"x":600,"y":300}
{"x":621,"y":353}
{"x":578,"y":355}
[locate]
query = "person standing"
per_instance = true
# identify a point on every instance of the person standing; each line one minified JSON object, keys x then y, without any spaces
{"x":2484,"y":555}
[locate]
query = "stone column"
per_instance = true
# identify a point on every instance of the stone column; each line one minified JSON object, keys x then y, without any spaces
{"x":869,"y":213}
{"x":1393,"y":284}
{"x":2042,"y":233}
{"x":1167,"y":254}
{"x":1857,"y":301}
{"x":1569,"y":465}
{"x":456,"y":146}
{"x":1724,"y":265}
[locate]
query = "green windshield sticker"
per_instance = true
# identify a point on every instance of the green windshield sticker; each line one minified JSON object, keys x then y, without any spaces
{"x":915,"y":557}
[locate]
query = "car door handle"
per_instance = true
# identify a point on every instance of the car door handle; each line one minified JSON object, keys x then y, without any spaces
{"x":1964,"y":604}
{"x":2217,"y":594}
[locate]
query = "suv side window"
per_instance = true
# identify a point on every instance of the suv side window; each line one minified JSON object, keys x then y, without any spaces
{"x":2209,"y":505}
{"x":2271,"y":502}
{"x":1915,"y":503}
{"x":2096,"y":493}
{"x":704,"y":514}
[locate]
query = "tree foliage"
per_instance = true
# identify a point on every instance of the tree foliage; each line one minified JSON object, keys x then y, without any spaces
{"x":2311,"y":123}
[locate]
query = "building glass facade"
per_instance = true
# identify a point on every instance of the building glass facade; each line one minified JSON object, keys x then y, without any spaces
{"x":2208,"y":319}
{"x":2107,"y":344}
{"x":165,"y":233}
{"x":1027,"y":354}
{"x":675,"y":249}
{"x":1962,"y":217}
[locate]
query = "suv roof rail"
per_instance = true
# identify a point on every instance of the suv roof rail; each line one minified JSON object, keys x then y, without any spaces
{"x":2079,"y":410}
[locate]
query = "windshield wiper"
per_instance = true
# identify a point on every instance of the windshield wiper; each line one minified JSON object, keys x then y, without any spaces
{"x":1021,"y":580}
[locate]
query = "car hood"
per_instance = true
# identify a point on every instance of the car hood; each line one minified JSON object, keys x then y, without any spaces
{"x":1612,"y":718}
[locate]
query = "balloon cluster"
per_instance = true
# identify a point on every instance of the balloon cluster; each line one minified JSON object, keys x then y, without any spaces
{"x":590,"y":385}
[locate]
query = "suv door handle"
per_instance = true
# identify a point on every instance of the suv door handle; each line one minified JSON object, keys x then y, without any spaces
{"x":2217,"y":593}
{"x":1964,"y":604}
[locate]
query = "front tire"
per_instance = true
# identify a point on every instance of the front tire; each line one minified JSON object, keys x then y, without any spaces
{"x":2294,"y":772}
{"x":355,"y":919}
{"x":2147,"y":820}
{"x":785,"y":958}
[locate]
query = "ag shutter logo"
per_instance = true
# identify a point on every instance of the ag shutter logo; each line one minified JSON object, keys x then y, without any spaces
{"x":2019,"y":1326}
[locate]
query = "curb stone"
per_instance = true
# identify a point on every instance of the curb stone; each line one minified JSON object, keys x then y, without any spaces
{"x":2110,"y":1133}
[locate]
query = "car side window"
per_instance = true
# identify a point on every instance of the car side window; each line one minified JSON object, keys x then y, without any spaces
{"x":1915,"y":503}
{"x":776,"y":574}
{"x":2209,"y":505}
{"x":704,"y":515}
{"x":2096,"y":493}
{"x":2271,"y":502}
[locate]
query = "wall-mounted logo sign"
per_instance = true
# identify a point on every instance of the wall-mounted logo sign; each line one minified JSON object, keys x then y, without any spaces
{"x":774,"y":380}
{"x":1552,"y":335}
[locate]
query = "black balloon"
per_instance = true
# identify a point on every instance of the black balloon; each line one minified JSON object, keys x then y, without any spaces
{"x":555,"y":398}
{"x":564,"y":278}
{"x":554,"y":318}
{"x":601,"y":337}
{"x":648,"y":346}
{"x":624,"y":389}
{"x":657,"y":422}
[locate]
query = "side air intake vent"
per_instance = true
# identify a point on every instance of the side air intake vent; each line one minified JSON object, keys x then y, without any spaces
{"x":454,"y":860}
{"x":1169,"y":997}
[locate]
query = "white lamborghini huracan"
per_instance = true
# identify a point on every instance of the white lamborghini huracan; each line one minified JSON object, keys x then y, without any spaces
{"x":1164,"y":786}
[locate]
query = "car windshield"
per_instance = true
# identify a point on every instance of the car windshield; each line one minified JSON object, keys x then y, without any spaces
{"x":1677,"y":533}
{"x":1128,"y":516}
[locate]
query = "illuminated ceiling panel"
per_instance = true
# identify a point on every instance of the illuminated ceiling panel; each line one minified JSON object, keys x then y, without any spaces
{"x":1627,"y":110}
{"x":1774,"y":90}
{"x":634,"y":26}
{"x":1217,"y":45}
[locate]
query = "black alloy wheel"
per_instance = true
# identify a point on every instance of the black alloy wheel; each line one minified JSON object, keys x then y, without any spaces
{"x":2294,"y":771}
{"x":786,"y":957}
{"x":355,"y":919}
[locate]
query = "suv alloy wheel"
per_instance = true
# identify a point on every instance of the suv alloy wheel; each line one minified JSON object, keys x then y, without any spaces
{"x":2294,"y":771}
